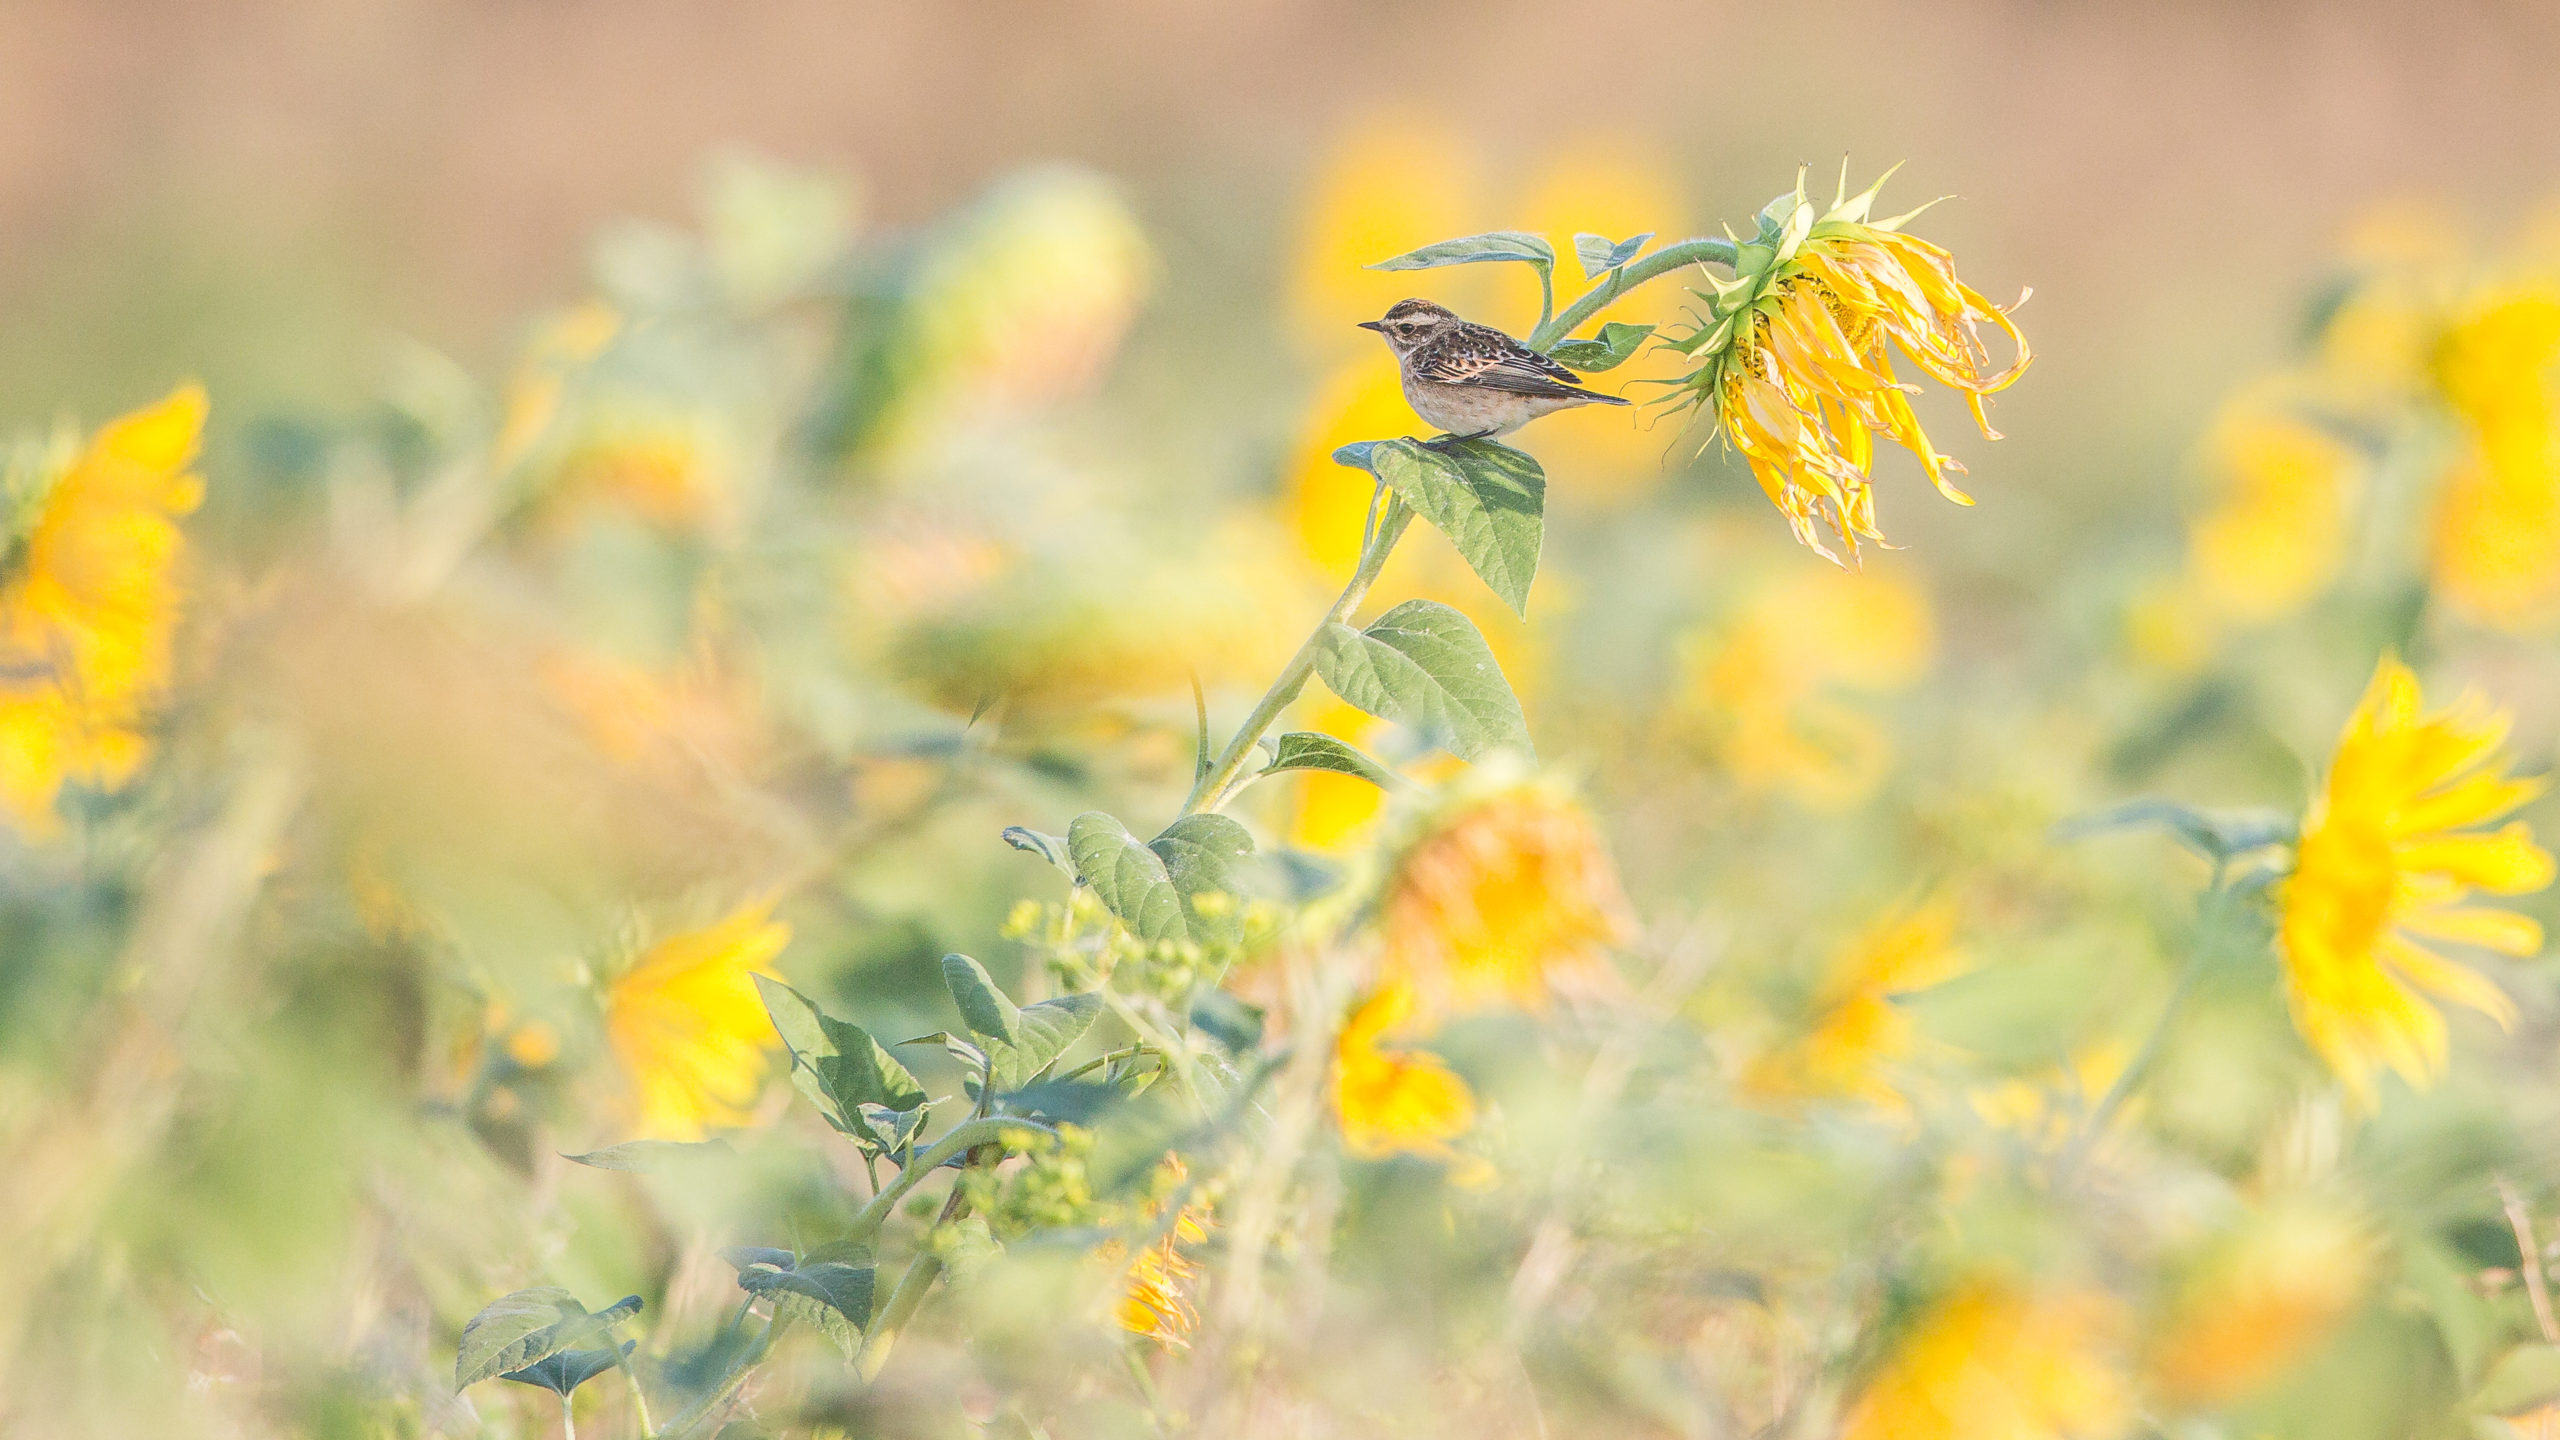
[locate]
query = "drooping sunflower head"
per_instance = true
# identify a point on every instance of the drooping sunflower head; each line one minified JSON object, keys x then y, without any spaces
{"x":2388,"y":855}
{"x":1795,"y":357}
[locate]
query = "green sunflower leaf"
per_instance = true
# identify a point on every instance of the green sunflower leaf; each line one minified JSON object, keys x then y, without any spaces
{"x":1475,"y":249}
{"x":1424,"y":666}
{"x":1311,"y":750}
{"x":1489,"y":499}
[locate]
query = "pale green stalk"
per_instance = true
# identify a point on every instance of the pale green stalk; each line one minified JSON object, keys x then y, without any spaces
{"x":2209,"y":913}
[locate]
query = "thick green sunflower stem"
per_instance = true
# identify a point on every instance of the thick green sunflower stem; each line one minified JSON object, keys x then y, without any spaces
{"x":1625,"y":278}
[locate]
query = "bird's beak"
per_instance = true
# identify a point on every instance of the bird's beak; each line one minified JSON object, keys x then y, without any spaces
{"x":1378,"y":325}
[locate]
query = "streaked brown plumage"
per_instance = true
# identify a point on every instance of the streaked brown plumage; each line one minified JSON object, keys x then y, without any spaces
{"x":1472,"y":380}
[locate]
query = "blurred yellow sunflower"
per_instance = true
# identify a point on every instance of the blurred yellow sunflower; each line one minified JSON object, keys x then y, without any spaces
{"x":1395,"y":1101}
{"x":1994,"y":1361}
{"x":2258,"y":1301}
{"x":2386,"y":860}
{"x":1155,"y":1294}
{"x":688,"y":1028}
{"x":1390,"y":184}
{"x":1500,"y":897}
{"x":2277,"y":530}
{"x":1795,"y":358}
{"x":89,"y":600}
{"x":1762,"y":691}
{"x":2497,"y":535}
{"x":1859,"y":1034}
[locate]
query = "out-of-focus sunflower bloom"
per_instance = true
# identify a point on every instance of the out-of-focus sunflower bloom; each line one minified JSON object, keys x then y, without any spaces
{"x":2277,"y":530}
{"x":2258,"y":1301}
{"x":1859,"y":1034}
{"x":2386,"y":859}
{"x":2046,"y":1106}
{"x":688,"y":1028}
{"x":2376,"y":348}
{"x":1155,"y":1294}
{"x":1020,"y":302}
{"x":89,"y":602}
{"x":1995,"y":1361}
{"x":1328,"y":502}
{"x":1336,"y":812}
{"x":1392,"y":1101}
{"x":2497,"y":535}
{"x":1389,"y":185}
{"x":1795,"y":357}
{"x":1502,"y":896}
{"x":561,"y":347}
{"x":663,"y":465}
{"x":1611,"y":185}
{"x":1761,"y":690}
{"x":1084,"y":631}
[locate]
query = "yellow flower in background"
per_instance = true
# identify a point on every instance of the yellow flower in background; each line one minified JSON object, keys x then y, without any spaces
{"x":2258,"y":1301}
{"x":1796,"y":358}
{"x":2497,"y":537}
{"x":1993,"y":1361}
{"x":1328,"y":503}
{"x":561,"y":347}
{"x":1607,"y":185}
{"x":1021,"y":301}
{"x":2047,"y":1107}
{"x":666,"y":467}
{"x":688,"y":1028}
{"x":1859,"y":1034}
{"x":2277,"y":530}
{"x":1501,"y":897}
{"x":1395,"y":1101}
{"x":1391,"y":184}
{"x":2377,"y":346}
{"x":1764,"y":687}
{"x":1083,"y":630}
{"x":89,"y":601}
{"x":2386,"y":859}
{"x":1155,"y":1293}
{"x":1334,"y":813}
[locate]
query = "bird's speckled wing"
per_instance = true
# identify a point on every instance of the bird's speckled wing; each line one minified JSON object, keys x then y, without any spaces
{"x":1476,"y":355}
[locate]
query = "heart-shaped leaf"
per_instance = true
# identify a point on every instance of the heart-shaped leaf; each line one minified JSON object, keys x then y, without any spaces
{"x":513,"y":1331}
{"x":837,"y":1064}
{"x":1128,"y":878}
{"x":565,"y":1370}
{"x":1474,"y":249}
{"x":1424,"y":666}
{"x":1489,"y":499}
{"x":1204,"y":856}
{"x":1615,"y":346}
{"x":1021,"y":1042}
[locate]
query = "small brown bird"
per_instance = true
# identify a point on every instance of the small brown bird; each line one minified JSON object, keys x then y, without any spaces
{"x":1472,"y":380}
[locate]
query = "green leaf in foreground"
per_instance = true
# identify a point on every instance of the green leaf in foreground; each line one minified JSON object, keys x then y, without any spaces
{"x":1424,"y":666}
{"x":1313,"y":750}
{"x":1489,"y":499}
{"x":1614,"y":346}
